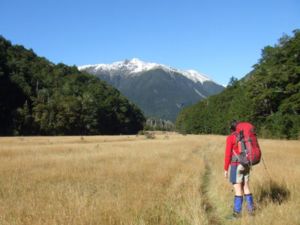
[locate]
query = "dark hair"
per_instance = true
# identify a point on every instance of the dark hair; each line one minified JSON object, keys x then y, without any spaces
{"x":233,"y":124}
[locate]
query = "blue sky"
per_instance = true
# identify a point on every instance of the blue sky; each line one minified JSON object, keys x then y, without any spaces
{"x":220,"y":38}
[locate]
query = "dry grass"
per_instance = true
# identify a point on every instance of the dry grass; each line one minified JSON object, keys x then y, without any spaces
{"x":170,"y":179}
{"x":275,"y":187}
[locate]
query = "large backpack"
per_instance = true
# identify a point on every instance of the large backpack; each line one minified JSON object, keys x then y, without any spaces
{"x":249,"y":150}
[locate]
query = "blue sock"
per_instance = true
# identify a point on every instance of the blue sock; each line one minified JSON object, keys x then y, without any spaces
{"x":238,"y":203}
{"x":250,"y":204}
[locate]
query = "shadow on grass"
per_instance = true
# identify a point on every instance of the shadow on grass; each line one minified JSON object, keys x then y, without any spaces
{"x":273,"y":191}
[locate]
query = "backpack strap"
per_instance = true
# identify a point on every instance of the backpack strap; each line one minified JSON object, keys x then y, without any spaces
{"x":235,"y":157}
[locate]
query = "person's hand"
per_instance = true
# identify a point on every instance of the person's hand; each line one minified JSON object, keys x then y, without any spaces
{"x":225,"y":173}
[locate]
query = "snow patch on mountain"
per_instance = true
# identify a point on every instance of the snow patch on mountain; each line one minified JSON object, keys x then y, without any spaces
{"x":199,"y":93}
{"x":195,"y":76}
{"x":135,"y":66}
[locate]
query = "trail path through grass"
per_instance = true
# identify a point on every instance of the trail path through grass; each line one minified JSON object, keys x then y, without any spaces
{"x":207,"y":204}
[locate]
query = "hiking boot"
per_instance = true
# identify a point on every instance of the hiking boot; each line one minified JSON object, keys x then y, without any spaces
{"x":251,"y":213}
{"x":234,"y":216}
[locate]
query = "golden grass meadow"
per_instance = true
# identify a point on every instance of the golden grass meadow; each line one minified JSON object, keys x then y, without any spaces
{"x":169,"y":179}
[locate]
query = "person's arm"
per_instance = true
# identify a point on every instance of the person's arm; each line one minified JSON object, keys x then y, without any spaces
{"x":228,"y":155}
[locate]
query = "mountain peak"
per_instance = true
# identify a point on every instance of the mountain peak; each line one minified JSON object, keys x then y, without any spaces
{"x":135,"y":66}
{"x":159,"y":90}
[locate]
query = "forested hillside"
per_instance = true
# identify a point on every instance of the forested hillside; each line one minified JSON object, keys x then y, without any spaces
{"x":269,"y":96}
{"x":38,"y":97}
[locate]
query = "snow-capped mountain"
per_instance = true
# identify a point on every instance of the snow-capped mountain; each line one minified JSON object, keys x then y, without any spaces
{"x":135,"y":67}
{"x":160,"y":91}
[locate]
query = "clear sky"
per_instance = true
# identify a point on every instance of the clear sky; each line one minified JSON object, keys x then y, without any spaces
{"x":220,"y":38}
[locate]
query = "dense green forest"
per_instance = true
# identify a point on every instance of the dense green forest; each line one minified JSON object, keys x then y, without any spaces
{"x":38,"y":97}
{"x":269,"y":97}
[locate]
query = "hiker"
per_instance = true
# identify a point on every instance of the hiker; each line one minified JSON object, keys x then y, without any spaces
{"x":239,"y":174}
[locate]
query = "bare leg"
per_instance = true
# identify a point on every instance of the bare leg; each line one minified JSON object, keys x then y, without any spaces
{"x":246,"y":188}
{"x":238,"y":189}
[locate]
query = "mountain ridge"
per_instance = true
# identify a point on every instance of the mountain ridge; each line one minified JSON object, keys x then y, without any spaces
{"x":136,"y":66}
{"x":160,"y":91}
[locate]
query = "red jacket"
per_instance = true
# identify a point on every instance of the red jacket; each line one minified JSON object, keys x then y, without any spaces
{"x":231,"y":145}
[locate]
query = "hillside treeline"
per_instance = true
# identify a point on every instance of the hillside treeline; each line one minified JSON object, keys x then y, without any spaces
{"x":269,"y":97}
{"x":38,"y":97}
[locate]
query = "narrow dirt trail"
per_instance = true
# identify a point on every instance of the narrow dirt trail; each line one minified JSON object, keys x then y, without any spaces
{"x":207,"y":204}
